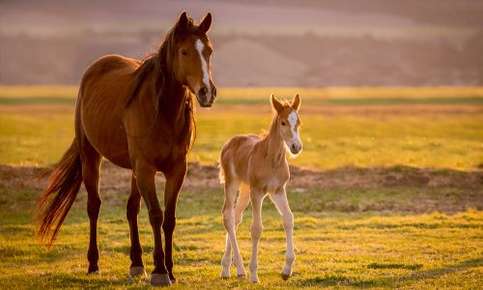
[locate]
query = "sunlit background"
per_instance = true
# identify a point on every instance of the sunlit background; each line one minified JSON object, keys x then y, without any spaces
{"x":387,"y":192}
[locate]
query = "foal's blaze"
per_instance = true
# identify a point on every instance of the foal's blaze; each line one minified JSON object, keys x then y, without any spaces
{"x":193,"y":59}
{"x":288,"y":119}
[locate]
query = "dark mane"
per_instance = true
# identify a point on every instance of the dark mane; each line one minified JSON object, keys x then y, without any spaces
{"x":160,"y":64}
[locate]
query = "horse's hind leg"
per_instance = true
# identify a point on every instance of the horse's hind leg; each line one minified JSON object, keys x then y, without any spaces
{"x":241,"y":205}
{"x":90,"y":174}
{"x":133,"y":205}
{"x":231,"y":188}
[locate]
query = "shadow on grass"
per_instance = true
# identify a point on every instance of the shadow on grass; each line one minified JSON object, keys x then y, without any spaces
{"x":336,"y":280}
{"x":394,"y":266}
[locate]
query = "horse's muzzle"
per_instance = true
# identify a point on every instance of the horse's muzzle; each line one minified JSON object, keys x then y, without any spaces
{"x":206,"y":97}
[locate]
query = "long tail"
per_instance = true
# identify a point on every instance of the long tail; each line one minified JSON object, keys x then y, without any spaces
{"x":56,"y":200}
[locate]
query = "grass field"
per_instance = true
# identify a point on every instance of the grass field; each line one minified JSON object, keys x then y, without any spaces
{"x":394,"y":196}
{"x":36,"y":126}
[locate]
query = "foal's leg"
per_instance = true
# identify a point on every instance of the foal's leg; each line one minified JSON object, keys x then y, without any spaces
{"x":256,"y":232}
{"x":231,"y":188}
{"x":279,"y":199}
{"x":145,"y":181}
{"x":241,"y":205}
{"x":174,"y":181}
{"x":90,"y":174}
{"x":133,"y":204}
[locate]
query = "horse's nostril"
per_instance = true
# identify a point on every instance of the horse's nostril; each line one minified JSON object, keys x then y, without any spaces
{"x":203,"y":91}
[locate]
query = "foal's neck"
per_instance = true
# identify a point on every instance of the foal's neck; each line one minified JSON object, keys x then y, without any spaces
{"x":274,"y":146}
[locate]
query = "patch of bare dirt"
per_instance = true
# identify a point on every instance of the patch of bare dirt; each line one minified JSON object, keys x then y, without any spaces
{"x":467,"y":186}
{"x":206,"y":177}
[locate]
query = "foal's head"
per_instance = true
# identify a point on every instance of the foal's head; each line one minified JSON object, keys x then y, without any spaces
{"x":191,"y":58}
{"x":288,"y":122}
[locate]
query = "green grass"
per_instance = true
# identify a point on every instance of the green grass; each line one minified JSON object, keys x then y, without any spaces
{"x":32,"y":134}
{"x":329,"y":142}
{"x":376,"y":236}
{"x":334,"y":249}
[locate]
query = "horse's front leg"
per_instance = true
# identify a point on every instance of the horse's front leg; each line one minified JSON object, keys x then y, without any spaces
{"x":145,"y":181}
{"x":280,"y":201}
{"x":174,"y":181}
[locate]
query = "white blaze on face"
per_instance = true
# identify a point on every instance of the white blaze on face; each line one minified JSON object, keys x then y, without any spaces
{"x":204,"y":66}
{"x":295,"y":141}
{"x":292,"y":120}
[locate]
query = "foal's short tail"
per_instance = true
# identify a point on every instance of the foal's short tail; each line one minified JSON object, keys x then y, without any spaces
{"x":57,"y":199}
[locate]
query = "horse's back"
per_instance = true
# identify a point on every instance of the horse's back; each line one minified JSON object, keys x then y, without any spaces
{"x":105,"y":86}
{"x":235,"y":156}
{"x":109,"y":70}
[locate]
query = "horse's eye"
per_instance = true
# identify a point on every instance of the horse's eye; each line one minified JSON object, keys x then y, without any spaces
{"x":283,"y":123}
{"x":184,"y":52}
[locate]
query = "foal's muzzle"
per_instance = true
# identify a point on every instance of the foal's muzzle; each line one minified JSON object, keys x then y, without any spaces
{"x":295,"y":148}
{"x":206,"y":97}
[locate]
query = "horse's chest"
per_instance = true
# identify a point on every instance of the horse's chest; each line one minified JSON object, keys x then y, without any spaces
{"x":272,"y":181}
{"x":169,"y":153}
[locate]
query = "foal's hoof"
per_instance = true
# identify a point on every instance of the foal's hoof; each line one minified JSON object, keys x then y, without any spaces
{"x":137,"y":271}
{"x":286,"y":275}
{"x":225,"y":273}
{"x":160,"y":280}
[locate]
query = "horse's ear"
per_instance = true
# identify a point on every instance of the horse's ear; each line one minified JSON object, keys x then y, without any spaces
{"x":205,"y":24}
{"x":296,"y":103}
{"x":276,"y":104}
{"x":182,"y":23}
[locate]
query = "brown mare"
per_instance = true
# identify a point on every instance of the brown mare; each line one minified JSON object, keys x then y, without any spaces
{"x":257,"y":166}
{"x":138,"y":115}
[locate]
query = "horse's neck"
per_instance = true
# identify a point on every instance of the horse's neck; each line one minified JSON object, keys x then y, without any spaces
{"x":273,"y":143}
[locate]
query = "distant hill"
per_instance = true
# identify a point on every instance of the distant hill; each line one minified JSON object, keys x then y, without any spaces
{"x":257,"y":43}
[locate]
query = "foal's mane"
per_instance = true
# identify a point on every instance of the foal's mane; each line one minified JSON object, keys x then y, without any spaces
{"x":161,"y":64}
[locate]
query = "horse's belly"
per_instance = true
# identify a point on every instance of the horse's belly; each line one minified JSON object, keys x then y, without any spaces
{"x":102,"y":125}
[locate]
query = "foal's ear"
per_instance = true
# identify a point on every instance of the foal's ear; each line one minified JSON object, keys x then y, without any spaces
{"x":205,"y":24}
{"x":296,"y":103}
{"x":182,"y":23}
{"x":276,"y":104}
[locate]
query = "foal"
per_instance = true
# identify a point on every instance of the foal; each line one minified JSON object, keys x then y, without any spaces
{"x":258,"y":166}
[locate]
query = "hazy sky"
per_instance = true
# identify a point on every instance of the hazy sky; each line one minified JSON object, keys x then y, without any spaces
{"x":378,"y":17}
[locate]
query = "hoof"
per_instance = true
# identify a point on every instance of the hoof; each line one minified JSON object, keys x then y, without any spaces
{"x":241,"y":276}
{"x":93,"y":270}
{"x":285,"y":276}
{"x":254,"y":279}
{"x":137,"y":271}
{"x":160,"y":280}
{"x":172,"y":278}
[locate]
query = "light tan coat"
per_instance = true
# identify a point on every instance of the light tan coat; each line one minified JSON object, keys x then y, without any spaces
{"x":258,"y":166}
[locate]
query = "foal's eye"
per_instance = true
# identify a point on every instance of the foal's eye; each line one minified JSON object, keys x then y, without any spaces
{"x":283,"y":123}
{"x":184,"y":52}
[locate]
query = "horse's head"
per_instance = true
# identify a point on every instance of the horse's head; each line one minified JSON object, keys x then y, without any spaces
{"x":288,"y":123}
{"x":191,"y":58}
